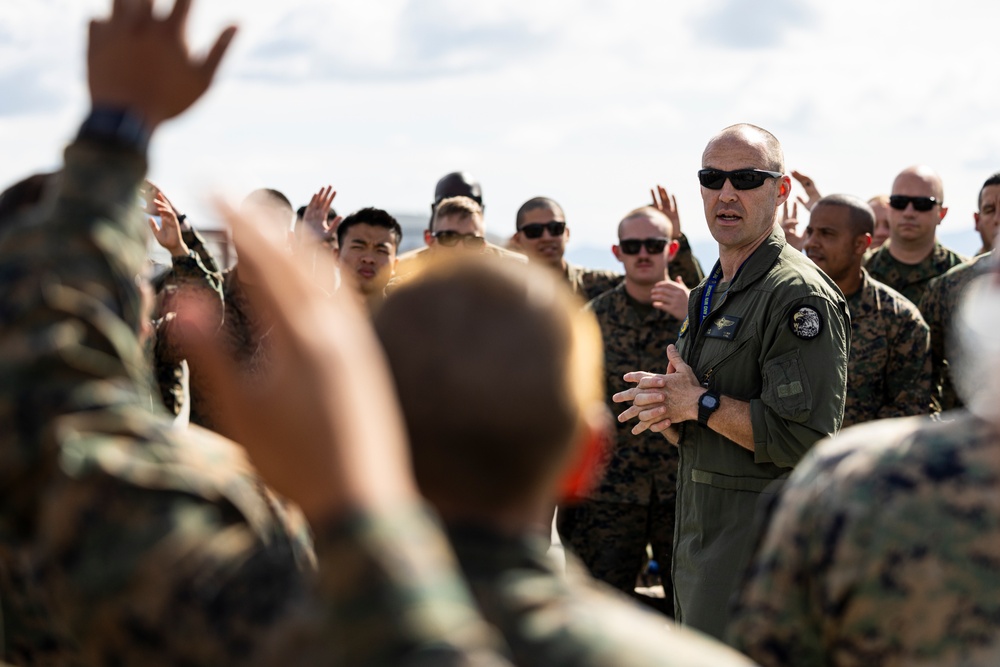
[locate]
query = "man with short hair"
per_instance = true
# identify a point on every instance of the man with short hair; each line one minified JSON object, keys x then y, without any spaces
{"x":632,"y":504}
{"x":478,"y":334}
{"x":757,"y":377}
{"x":457,"y":225}
{"x":913,"y":256}
{"x":883,"y":547}
{"x":542,"y":234}
{"x":988,"y":216}
{"x":367,"y":241}
{"x":889,"y":370}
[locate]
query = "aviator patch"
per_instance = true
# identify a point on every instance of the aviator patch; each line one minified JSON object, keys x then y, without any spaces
{"x":724,"y":327}
{"x":684,"y":328}
{"x":806,"y":322}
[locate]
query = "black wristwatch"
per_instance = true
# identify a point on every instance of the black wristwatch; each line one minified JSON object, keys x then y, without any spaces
{"x":118,"y":127}
{"x":707,"y":404}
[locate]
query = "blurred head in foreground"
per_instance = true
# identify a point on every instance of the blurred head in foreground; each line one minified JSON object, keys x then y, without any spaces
{"x":499,"y":377}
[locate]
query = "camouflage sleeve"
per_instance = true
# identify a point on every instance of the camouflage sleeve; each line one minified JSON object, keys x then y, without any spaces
{"x":161,"y":547}
{"x":389,"y":594}
{"x":932,"y":309}
{"x":194,"y":241}
{"x":686,"y":265}
{"x":908,"y":372}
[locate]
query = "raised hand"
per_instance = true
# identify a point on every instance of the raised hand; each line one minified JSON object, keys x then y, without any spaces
{"x":323,"y":426}
{"x":810,"y":187}
{"x":671,"y":296}
{"x":667,"y":204}
{"x":316,"y":213}
{"x":140,"y":63}
{"x":789,"y":225}
{"x":168,"y":233}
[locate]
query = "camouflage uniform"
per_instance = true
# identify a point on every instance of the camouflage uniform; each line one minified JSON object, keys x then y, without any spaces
{"x":889,"y":372}
{"x":551,"y":618}
{"x":589,"y":283}
{"x":633,"y":504}
{"x":143,"y":547}
{"x":911,"y":280}
{"x":778,"y":337}
{"x":155,"y":546}
{"x":884,"y":549}
{"x":940,"y":300}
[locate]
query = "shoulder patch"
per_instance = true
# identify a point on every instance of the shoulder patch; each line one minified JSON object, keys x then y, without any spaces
{"x":684,"y":328}
{"x":806,"y":322}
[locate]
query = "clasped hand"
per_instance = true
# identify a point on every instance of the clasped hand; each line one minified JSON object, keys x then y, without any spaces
{"x":661,"y":400}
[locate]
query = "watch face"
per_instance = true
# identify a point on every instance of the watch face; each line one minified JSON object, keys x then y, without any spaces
{"x":709,"y":401}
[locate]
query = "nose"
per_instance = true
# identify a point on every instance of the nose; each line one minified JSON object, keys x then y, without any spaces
{"x":728,"y":192}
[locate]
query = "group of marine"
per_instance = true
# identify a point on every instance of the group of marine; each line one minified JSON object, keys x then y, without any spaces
{"x":374,"y":445}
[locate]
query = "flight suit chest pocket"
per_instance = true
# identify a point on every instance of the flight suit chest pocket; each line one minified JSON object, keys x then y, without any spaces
{"x":786,"y":387}
{"x":718,"y":351}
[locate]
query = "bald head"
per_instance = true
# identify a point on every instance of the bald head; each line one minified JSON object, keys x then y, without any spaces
{"x":919,"y":174}
{"x":754,"y":136}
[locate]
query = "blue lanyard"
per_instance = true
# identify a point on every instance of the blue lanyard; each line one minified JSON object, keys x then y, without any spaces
{"x":711,"y":284}
{"x":706,"y":296}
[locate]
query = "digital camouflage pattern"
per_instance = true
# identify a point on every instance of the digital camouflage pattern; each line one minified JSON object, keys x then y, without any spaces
{"x":889,"y":371}
{"x":633,"y":502}
{"x":635,"y":337}
{"x":884,"y":549}
{"x":553,"y":618}
{"x":911,"y":280}
{"x":589,"y":283}
{"x":938,"y":305}
{"x":143,"y":544}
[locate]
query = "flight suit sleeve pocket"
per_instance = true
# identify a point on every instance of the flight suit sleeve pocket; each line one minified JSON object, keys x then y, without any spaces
{"x":786,"y":387}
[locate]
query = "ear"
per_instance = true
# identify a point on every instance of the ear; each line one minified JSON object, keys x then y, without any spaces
{"x":587,"y":464}
{"x":784,"y":189}
{"x":428,"y":237}
{"x":975,"y":216}
{"x":944,"y":212}
{"x":672,"y":250}
{"x":617,"y":252}
{"x":861,"y":243}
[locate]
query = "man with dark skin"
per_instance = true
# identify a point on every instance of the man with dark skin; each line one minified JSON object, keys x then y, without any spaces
{"x":889,"y":372}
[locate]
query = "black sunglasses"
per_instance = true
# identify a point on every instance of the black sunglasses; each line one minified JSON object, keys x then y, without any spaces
{"x":742,"y":179}
{"x":922,"y":204}
{"x":653,"y":246}
{"x":451,"y":239}
{"x":535,"y":229}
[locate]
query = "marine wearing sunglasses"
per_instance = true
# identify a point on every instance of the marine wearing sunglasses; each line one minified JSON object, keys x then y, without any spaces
{"x":740,"y":179}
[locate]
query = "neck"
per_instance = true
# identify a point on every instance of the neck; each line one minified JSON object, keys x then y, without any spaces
{"x":731,"y":259}
{"x":641,"y":292}
{"x":911,"y":252}
{"x":509,"y":521}
{"x":851,"y":283}
{"x":374,"y":300}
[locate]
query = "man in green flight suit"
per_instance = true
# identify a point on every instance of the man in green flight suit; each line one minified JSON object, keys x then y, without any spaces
{"x":757,"y":377}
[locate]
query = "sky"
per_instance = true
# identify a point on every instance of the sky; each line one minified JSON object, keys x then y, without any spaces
{"x":590,"y":102}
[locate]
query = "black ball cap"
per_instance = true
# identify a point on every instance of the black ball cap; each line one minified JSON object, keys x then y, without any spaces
{"x":458,"y":184}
